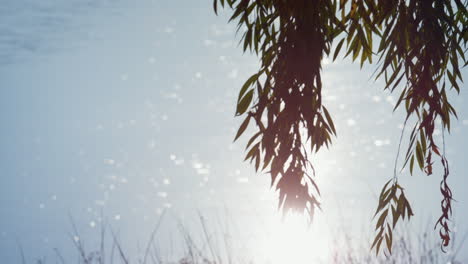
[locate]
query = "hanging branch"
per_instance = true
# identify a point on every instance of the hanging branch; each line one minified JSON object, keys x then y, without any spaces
{"x":421,"y":49}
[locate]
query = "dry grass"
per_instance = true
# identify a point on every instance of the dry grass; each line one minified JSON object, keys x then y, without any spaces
{"x":409,"y":247}
{"x":216,"y":247}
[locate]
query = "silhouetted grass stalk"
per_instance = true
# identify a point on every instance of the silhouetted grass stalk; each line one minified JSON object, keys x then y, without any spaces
{"x":217,"y":248}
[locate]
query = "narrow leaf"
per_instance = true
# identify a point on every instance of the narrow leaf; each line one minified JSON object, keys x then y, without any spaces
{"x":242,"y":127}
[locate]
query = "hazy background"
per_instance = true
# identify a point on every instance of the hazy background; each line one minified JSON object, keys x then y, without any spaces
{"x":118,"y":110}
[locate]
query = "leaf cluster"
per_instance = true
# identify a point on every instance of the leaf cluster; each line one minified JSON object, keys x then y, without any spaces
{"x":420,"y":51}
{"x":283,"y":98}
{"x":392,"y":207}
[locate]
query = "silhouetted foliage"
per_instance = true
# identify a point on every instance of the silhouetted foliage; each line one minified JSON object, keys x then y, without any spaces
{"x":422,"y":46}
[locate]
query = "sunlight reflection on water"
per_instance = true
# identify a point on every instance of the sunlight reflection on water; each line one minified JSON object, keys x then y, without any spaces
{"x":156,"y":127}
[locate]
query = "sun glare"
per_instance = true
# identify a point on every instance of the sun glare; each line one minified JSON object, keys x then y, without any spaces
{"x":293,"y":240}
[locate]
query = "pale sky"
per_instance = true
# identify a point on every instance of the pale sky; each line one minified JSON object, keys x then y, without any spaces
{"x":125,"y":109}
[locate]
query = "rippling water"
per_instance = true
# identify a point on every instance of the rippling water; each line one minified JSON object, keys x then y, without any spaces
{"x":32,"y":27}
{"x":134,"y":111}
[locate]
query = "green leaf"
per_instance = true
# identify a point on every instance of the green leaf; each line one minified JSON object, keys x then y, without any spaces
{"x":357,"y":49}
{"x":215,"y":6}
{"x":411,"y":165}
{"x":419,"y":155}
{"x":237,"y":12}
{"x":244,"y":103}
{"x":242,"y":127}
{"x":338,"y":48}
{"x":248,"y":39}
{"x":397,"y":82}
{"x":252,"y":139}
{"x":400,"y":99}
{"x":247,"y":84}
{"x":393,"y":76}
{"x":252,"y":151}
{"x":329,"y":120}
{"x":423,"y":140}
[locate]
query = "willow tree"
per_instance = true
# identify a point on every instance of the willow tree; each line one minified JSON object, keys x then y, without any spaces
{"x":421,"y":49}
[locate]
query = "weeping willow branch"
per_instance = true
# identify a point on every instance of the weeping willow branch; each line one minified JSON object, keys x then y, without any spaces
{"x":421,"y":49}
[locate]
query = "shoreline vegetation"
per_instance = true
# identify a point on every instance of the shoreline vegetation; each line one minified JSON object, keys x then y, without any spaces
{"x":215,"y":246}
